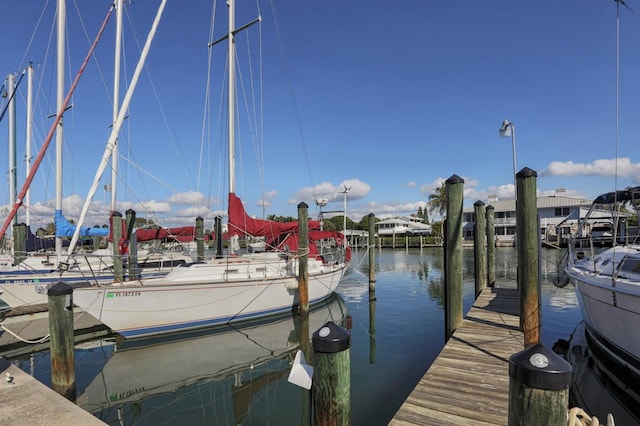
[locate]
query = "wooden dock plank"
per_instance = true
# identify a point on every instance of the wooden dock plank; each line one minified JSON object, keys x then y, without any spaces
{"x":469,"y":381}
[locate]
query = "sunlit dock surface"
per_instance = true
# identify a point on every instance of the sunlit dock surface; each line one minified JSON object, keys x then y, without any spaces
{"x":469,"y":381}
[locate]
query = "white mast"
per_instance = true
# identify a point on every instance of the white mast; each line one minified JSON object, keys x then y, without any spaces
{"x":29,"y":137}
{"x":60,"y":100}
{"x":116,"y":127}
{"x":116,"y":100}
{"x":11,"y":82}
{"x":231,"y":95}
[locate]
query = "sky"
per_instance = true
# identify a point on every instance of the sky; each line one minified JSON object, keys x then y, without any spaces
{"x":387,"y":99}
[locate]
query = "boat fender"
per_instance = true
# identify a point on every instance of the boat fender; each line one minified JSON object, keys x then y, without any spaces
{"x":292,"y":284}
{"x":348,"y":254}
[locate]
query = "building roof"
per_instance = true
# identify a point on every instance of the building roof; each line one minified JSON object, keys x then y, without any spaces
{"x":546,"y":202}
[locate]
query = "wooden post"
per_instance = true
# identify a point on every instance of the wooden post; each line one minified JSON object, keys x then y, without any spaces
{"x":218,"y":230}
{"x":480,"y":247}
{"x":19,"y":242}
{"x":132,"y":244}
{"x":200,"y":238}
{"x":453,"y":255}
{"x":372,"y":252}
{"x":491,"y":246}
{"x":60,"y":305}
{"x":528,"y":235}
{"x":116,"y":231}
{"x":303,"y":258}
{"x":332,"y":376}
{"x":539,"y":382}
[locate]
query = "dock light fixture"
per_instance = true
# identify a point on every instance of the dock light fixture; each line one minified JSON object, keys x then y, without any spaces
{"x":508,"y":129}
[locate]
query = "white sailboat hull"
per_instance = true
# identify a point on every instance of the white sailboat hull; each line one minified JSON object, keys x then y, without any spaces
{"x":217,"y":292}
{"x":611,"y":309}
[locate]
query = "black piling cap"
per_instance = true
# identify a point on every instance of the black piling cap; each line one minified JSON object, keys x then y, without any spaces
{"x":59,"y":289}
{"x":454,"y":179}
{"x":538,"y":367}
{"x":479,"y":203}
{"x":331,"y":338}
{"x":527,"y":172}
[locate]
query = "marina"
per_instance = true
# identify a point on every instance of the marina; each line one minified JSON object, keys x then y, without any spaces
{"x":394,"y":340}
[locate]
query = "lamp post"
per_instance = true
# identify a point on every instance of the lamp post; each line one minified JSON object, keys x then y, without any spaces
{"x":321,"y":202}
{"x":508,"y":129}
{"x":345,"y":192}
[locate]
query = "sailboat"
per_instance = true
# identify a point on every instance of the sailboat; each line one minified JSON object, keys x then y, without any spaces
{"x":607,"y":283}
{"x":26,"y":282}
{"x":231,"y":289}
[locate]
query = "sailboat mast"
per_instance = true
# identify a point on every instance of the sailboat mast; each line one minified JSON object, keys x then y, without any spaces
{"x":29,"y":137}
{"x":119,"y":4}
{"x":11,"y":83}
{"x":231,"y":95}
{"x":62,"y":18}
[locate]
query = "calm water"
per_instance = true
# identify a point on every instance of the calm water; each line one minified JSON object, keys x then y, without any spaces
{"x":240,"y":376}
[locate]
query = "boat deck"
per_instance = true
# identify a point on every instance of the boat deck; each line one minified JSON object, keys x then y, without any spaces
{"x":469,"y":381}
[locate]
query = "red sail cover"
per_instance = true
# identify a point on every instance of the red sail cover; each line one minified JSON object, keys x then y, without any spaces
{"x":241,"y":224}
{"x":182,"y":234}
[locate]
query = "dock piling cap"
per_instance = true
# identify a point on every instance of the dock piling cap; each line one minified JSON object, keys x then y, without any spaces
{"x":539,"y":367}
{"x":331,"y":338}
{"x":59,"y":289}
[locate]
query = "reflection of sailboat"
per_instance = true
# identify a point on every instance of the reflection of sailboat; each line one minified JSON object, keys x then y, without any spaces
{"x":141,"y":369}
{"x":599,"y":386}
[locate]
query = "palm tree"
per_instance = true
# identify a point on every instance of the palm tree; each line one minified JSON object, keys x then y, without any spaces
{"x":438,"y":203}
{"x":438,"y":200}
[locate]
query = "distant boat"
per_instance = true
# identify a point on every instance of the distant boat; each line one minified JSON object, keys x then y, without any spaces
{"x":228,"y":358}
{"x":225,"y":289}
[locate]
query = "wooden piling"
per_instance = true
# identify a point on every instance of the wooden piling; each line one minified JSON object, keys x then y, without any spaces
{"x":372,"y":252}
{"x":539,"y":382}
{"x":19,"y":242}
{"x":116,"y":230}
{"x":528,"y":233}
{"x":372,"y":327}
{"x":218,"y":230}
{"x":491,"y":246}
{"x":332,"y":376}
{"x":200,"y":238}
{"x":60,"y":306}
{"x":480,"y":248}
{"x":303,"y":257}
{"x":453,"y":255}
{"x":132,"y":245}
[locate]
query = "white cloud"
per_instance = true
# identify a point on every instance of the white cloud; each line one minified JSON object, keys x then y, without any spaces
{"x":186,"y":198}
{"x":333,"y":193}
{"x":605,"y":167}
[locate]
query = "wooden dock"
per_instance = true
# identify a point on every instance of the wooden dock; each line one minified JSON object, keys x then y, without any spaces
{"x":23,"y":330}
{"x":468,"y":384}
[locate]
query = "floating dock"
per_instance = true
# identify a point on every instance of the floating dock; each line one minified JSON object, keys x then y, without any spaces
{"x":469,"y":381}
{"x":24,"y":330}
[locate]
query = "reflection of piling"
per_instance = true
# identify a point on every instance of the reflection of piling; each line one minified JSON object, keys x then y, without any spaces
{"x":480,"y":247}
{"x":303,"y":258}
{"x":218,"y":230}
{"x":539,"y":382}
{"x":372,"y":327}
{"x":528,"y":234}
{"x":60,"y":305}
{"x":116,"y":230}
{"x":332,"y":376}
{"x":453,"y":255}
{"x":199,"y":239}
{"x":372,"y":252}
{"x":491,"y":246}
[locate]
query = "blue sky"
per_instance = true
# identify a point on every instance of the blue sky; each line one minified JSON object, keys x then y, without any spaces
{"x":389,"y":98}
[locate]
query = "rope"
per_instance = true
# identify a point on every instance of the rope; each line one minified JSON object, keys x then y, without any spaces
{"x":578,"y":417}
{"x":35,"y":342}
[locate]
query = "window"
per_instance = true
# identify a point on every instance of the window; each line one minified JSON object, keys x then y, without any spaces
{"x":562,"y":211}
